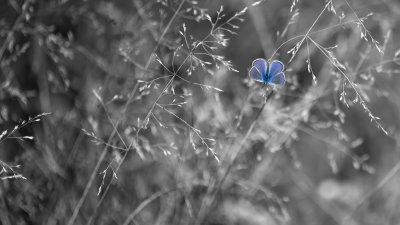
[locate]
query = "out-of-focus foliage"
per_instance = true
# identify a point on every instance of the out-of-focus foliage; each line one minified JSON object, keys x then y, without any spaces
{"x":142,"y":112}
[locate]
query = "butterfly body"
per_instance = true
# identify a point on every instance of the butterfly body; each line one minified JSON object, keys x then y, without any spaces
{"x":262,"y":71}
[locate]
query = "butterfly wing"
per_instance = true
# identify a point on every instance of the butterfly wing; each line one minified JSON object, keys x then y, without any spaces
{"x":258,"y":71}
{"x":277,"y":79}
{"x":275,"y":75}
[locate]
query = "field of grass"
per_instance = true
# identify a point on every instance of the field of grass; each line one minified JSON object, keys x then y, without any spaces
{"x":143,"y":112}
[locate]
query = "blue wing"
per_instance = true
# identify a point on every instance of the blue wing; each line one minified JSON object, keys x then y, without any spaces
{"x":258,"y":71}
{"x":256,"y":75}
{"x":275,"y":75}
{"x":260,"y":65}
{"x":277,"y":79}
{"x":276,"y":67}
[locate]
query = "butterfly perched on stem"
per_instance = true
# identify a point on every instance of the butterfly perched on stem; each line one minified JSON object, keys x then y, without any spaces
{"x":264,"y":72}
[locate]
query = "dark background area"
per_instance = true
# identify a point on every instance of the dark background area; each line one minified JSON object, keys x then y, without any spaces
{"x":110,"y":116}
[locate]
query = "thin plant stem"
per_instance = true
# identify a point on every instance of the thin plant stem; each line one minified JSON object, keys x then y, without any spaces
{"x":205,"y":207}
{"x":103,"y":154}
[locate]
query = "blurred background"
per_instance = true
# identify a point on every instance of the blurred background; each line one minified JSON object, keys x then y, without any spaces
{"x":142,"y":112}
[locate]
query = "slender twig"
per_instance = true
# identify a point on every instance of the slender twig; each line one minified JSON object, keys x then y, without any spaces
{"x":103,"y":154}
{"x":144,"y":204}
{"x":10,"y":34}
{"x":311,"y":33}
{"x":205,"y":206}
{"x":299,"y":44}
{"x":362,"y":101}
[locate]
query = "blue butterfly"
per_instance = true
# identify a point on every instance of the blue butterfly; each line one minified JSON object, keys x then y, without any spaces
{"x":263,"y":72}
